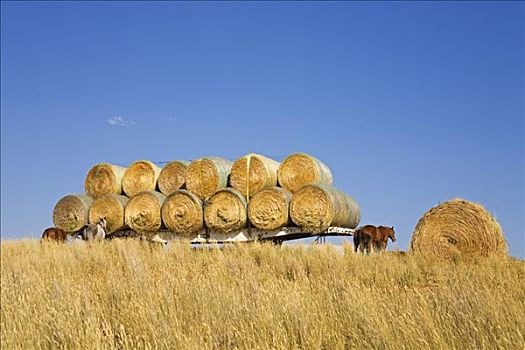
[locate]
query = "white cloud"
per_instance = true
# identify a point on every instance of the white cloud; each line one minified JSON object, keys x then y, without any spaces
{"x":119,"y":121}
{"x":173,"y":118}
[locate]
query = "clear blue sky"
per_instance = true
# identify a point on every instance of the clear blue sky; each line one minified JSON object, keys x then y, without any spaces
{"x":409,"y":104}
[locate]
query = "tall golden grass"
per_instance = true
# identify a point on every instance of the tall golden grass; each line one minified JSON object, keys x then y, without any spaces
{"x":128,"y":294}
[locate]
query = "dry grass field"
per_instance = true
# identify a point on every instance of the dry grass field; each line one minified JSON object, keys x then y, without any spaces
{"x":127,"y":294}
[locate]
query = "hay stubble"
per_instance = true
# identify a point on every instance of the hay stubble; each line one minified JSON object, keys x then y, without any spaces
{"x":127,"y":295}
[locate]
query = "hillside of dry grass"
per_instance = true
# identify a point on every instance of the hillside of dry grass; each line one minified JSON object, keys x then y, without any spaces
{"x":126,"y":294}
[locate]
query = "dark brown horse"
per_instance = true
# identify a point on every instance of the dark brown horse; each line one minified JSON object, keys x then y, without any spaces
{"x":371,"y":237}
{"x":54,"y":234}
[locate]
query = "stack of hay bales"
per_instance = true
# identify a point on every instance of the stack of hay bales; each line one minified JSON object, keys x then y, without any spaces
{"x":110,"y":189}
{"x":186,"y":197}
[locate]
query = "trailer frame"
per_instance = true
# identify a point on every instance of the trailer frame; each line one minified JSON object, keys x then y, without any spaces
{"x":249,"y":234}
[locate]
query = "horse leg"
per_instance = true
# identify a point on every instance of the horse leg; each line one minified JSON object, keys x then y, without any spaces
{"x":362,"y":246}
{"x":369,"y":247}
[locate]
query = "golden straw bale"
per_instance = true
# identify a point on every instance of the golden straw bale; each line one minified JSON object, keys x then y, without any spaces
{"x":111,"y":207}
{"x":143,"y":211}
{"x":71,"y":212}
{"x":261,"y":171}
{"x":225,"y":211}
{"x":301,"y":169}
{"x":104,"y":179}
{"x":182,"y":213}
{"x":206,"y":175}
{"x":269,"y":209}
{"x":140,"y":176}
{"x":172,"y":176}
{"x":316,"y":208}
{"x":458,"y":229}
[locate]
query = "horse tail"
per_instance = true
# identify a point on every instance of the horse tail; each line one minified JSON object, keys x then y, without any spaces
{"x":357,"y":238}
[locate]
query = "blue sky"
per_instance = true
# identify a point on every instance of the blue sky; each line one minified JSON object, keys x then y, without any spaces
{"x":410,"y":104}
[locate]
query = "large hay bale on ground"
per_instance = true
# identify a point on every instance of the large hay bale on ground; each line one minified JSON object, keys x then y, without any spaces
{"x":104,"y":179}
{"x":225,"y":211}
{"x":207,"y":175}
{"x":140,"y":176}
{"x":301,"y":169}
{"x":458,"y":228}
{"x":172,"y":176}
{"x":143,"y":212}
{"x":269,"y":209}
{"x":71,"y":212}
{"x":182,"y":213}
{"x":316,"y":208}
{"x":111,"y":207}
{"x":260,"y":170}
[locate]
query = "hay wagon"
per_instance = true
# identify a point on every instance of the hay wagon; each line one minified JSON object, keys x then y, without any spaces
{"x":247,"y":235}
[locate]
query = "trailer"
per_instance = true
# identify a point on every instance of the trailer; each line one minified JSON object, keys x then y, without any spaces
{"x":249,"y":234}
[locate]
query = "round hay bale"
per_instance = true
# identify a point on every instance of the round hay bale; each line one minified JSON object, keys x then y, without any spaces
{"x":207,"y":175}
{"x":301,"y":169}
{"x":458,"y":228}
{"x":269,"y":209}
{"x":111,"y":207}
{"x":104,"y":179}
{"x":140,"y":176}
{"x":182,"y":213}
{"x":71,"y":212}
{"x":225,"y":211}
{"x":253,"y":173}
{"x":316,"y":208}
{"x":143,"y":212}
{"x":172,"y":176}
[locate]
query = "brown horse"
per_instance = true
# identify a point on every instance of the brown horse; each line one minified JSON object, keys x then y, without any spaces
{"x":385,"y":233}
{"x":54,"y":234}
{"x":371,"y":237}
